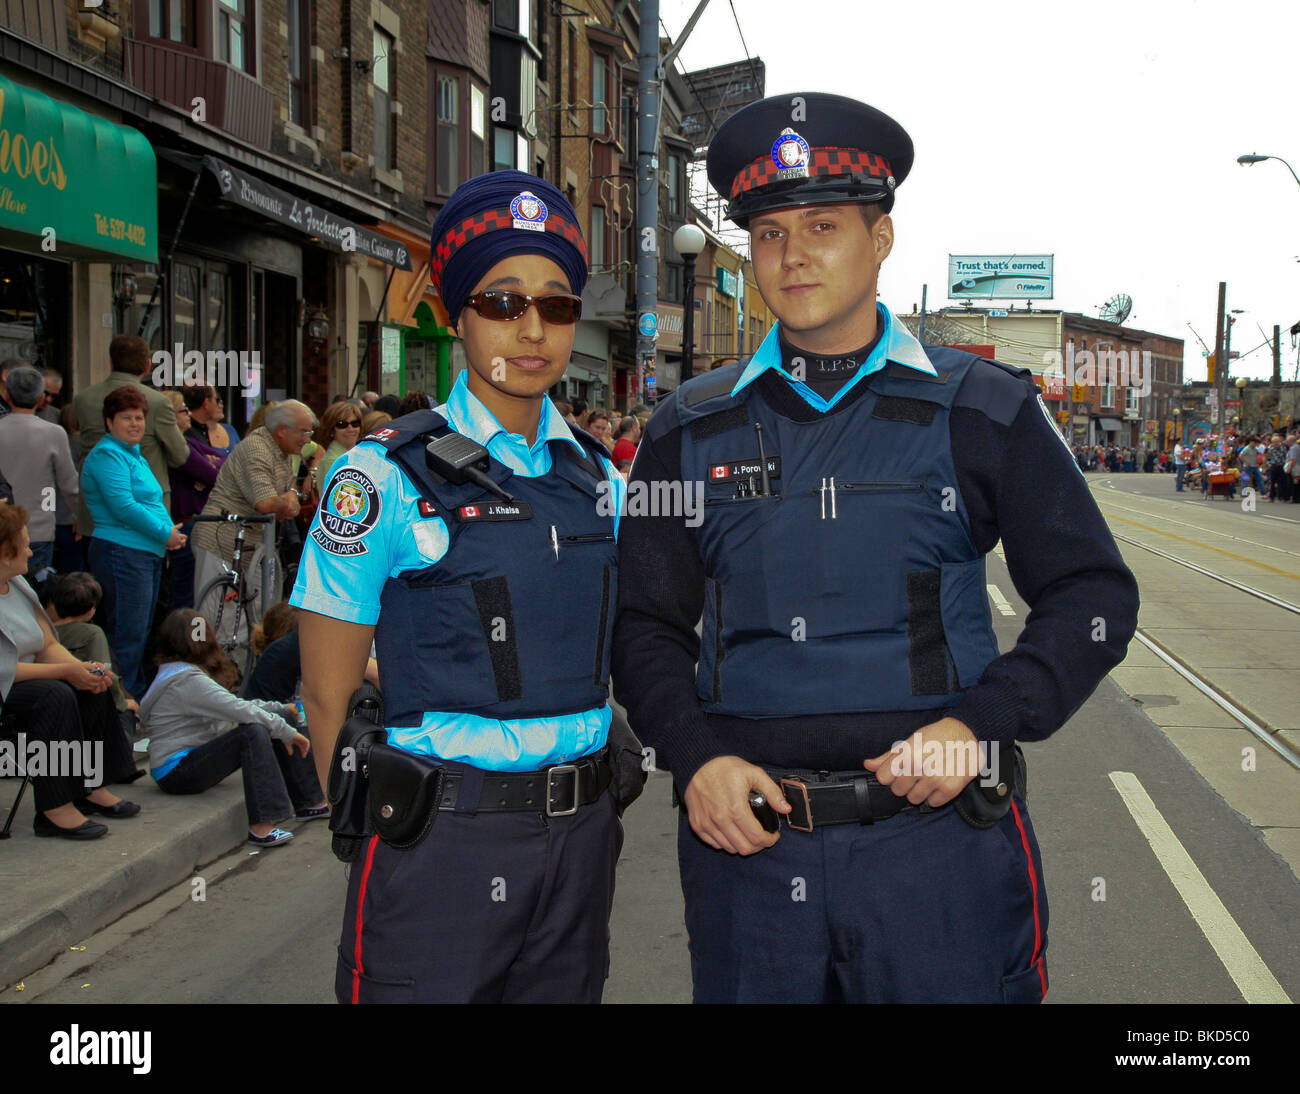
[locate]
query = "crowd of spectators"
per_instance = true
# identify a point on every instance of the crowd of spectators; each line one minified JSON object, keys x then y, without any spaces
{"x":102,"y":563}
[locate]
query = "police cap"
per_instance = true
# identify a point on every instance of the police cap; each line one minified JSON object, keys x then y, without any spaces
{"x":807,"y":149}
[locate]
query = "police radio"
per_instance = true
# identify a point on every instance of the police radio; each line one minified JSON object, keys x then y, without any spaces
{"x":458,"y":459}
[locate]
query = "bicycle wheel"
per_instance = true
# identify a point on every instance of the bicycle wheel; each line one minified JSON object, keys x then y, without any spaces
{"x":225,"y":605}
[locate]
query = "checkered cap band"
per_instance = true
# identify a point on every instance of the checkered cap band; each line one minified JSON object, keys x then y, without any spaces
{"x":492,"y":220}
{"x":824,"y":161}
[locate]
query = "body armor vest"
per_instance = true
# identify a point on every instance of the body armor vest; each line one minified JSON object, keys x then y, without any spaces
{"x":515,"y":620}
{"x":854,"y":584}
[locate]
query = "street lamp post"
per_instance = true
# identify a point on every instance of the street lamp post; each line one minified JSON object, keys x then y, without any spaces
{"x":1252,"y":159}
{"x":688,"y":241}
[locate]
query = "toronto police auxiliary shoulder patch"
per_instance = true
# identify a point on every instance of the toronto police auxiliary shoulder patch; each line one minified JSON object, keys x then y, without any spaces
{"x":350,"y":510}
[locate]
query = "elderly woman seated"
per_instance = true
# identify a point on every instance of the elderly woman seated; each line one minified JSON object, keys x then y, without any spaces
{"x":56,"y":700}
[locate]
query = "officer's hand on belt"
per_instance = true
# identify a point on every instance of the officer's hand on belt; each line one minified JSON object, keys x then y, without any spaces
{"x":907,"y":771}
{"x":717,"y":805}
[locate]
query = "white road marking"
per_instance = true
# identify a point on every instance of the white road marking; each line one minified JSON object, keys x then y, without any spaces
{"x":999,"y":601}
{"x":1247,"y":969}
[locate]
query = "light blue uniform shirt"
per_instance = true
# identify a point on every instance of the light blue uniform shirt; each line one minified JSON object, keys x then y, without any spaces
{"x":894,"y":344}
{"x":348,"y":587}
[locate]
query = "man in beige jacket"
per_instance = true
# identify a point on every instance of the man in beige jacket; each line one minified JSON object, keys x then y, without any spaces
{"x":162,"y":445}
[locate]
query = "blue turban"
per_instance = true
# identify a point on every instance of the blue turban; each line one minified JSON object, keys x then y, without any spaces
{"x":496,"y":215}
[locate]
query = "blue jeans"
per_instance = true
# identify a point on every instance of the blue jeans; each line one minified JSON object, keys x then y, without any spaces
{"x":1181,"y":470}
{"x":130,"y":581}
{"x":42,"y":557}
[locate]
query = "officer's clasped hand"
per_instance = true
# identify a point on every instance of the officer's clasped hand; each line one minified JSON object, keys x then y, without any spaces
{"x":935,"y":779}
{"x":717,"y":805}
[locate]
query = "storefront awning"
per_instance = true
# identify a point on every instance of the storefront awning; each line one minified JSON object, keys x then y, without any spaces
{"x":1110,"y":425}
{"x":72,"y":184}
{"x":329,"y":228}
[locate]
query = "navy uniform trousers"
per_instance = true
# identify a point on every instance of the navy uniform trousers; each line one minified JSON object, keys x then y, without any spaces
{"x":487,"y":908}
{"x":918,"y":908}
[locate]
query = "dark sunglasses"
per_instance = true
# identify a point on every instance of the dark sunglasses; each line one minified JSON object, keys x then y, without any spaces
{"x":560,"y":309}
{"x":344,"y":425}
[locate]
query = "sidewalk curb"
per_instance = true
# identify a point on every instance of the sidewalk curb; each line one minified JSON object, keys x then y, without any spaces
{"x":194,"y":832}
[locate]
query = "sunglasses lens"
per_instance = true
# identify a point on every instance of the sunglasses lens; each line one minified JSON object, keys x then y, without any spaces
{"x":498,"y":304}
{"x":559,"y":309}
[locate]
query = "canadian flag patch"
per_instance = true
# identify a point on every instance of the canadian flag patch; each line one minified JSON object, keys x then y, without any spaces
{"x":718,"y":471}
{"x":469,"y":512}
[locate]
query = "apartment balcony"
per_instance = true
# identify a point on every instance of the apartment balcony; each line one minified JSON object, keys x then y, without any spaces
{"x":232,"y":101}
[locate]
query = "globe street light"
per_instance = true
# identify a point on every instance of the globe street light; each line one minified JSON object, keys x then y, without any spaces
{"x":1252,"y":159}
{"x":688,"y":241}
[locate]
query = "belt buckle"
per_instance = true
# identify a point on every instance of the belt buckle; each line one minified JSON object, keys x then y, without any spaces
{"x":800,"y":796}
{"x":571,"y":769}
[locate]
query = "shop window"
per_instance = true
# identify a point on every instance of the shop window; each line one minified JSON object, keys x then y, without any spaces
{"x":599,"y":94}
{"x":477,"y":129}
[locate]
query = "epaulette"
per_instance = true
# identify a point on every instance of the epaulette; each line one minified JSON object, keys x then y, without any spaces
{"x":996,"y":390}
{"x":403,"y":430}
{"x":705,"y":405}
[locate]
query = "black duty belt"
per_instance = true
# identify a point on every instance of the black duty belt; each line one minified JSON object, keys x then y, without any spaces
{"x":557,"y":791}
{"x":838,"y":797}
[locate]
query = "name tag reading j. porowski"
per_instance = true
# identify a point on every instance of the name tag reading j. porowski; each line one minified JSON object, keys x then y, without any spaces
{"x":494,"y":510}
{"x":743,"y":469}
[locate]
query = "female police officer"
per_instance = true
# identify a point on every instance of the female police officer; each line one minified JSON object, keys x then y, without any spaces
{"x":490,"y":600}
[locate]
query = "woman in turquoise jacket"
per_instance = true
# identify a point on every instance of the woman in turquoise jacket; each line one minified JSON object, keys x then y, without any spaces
{"x":133,"y":531}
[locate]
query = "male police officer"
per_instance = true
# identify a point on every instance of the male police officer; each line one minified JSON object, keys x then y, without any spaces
{"x":853,"y":483}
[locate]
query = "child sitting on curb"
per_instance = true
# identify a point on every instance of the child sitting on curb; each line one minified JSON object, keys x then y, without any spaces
{"x":73,"y":601}
{"x":199,"y":732}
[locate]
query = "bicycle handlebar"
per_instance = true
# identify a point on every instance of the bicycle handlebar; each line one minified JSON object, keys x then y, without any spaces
{"x":233,"y":518}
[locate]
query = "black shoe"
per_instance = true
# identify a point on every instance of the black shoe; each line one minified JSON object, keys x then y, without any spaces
{"x":90,"y":829}
{"x":117,"y":809}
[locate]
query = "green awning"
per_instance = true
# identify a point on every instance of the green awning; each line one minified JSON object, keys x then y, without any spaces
{"x":94,"y":183}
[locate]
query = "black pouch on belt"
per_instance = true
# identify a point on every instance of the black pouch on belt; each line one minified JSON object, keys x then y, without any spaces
{"x":627,"y":763}
{"x":348,"y":783}
{"x":405,"y":790}
{"x":985,"y":801}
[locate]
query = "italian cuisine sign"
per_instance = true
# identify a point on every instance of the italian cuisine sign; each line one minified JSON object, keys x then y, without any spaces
{"x":1000,"y":277}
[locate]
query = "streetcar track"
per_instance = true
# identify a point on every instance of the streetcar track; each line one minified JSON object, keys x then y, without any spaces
{"x":1257,"y":514}
{"x":1275,"y":601}
{"x":1199,"y":528}
{"x":1252,"y":723}
{"x":1202,"y":546}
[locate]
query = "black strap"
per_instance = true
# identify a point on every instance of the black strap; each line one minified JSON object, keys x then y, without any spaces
{"x":527,"y":791}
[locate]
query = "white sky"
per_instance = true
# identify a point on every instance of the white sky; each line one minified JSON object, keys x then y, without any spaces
{"x":1104,"y":133}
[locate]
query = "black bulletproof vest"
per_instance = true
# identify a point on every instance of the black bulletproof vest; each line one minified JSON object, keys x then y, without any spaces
{"x":515,"y":620}
{"x":854,"y":585}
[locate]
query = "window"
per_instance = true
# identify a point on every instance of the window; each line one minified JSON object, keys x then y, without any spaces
{"x":235,"y":34}
{"x":1132,"y":400}
{"x":599,"y":94}
{"x":628,"y":135}
{"x":503,"y":149}
{"x":676,"y":179}
{"x":448,"y":115}
{"x":477,"y":130}
{"x":672,"y":282}
{"x":172,"y":21}
{"x":382,"y":73}
{"x":1108,"y":395}
{"x":521,"y":151}
{"x":513,"y":15}
{"x":573,"y":66}
{"x":299,"y":19}
{"x":596,"y":244}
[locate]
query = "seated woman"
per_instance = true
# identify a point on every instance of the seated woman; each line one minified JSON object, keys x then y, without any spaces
{"x":199,"y":732}
{"x":52,"y":697}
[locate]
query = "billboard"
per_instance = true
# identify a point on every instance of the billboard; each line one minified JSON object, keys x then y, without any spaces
{"x":1000,"y":277}
{"x":719,"y":92}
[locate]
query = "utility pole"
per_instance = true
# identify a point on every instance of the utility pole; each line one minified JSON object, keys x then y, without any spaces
{"x":647,"y":195}
{"x":1221,"y":352}
{"x":920,"y":330}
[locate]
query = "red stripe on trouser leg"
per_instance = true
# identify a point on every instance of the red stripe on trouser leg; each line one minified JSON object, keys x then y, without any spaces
{"x":357,"y":969}
{"x":1033,"y":885}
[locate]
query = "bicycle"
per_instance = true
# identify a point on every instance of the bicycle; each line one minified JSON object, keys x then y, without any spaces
{"x":226,"y":602}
